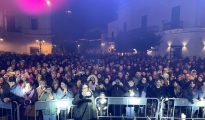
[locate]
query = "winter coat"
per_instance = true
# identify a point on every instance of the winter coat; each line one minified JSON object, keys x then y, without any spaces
{"x":118,"y":91}
{"x":10,"y":92}
{"x":61,"y":95}
{"x":80,"y":108}
{"x":143,"y":89}
{"x":51,"y":111}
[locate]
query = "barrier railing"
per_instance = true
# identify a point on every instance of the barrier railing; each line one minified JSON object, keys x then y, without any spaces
{"x":13,"y":107}
{"x":178,"y":108}
{"x":136,"y":107}
{"x":54,"y":104}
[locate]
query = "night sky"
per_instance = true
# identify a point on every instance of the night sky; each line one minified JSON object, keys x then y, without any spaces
{"x":86,"y":15}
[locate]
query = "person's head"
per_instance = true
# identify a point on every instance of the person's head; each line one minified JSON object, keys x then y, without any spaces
{"x":84,"y":88}
{"x":144,"y":80}
{"x":138,"y":74}
{"x":131,"y":83}
{"x":1,"y":79}
{"x":102,"y":95}
{"x":48,"y":89}
{"x":27,"y":85}
{"x":106,"y":80}
{"x":63,"y":85}
{"x":179,"y":77}
{"x":42,"y":83}
{"x":175,"y":84}
{"x":121,"y":67}
{"x":78,"y":83}
{"x":150,"y":78}
{"x":172,"y":77}
{"x":23,"y":77}
{"x":158,"y":83}
{"x":200,"y":79}
{"x":43,"y":71}
{"x":39,"y":77}
{"x":101,"y":86}
{"x":192,"y":84}
{"x":55,"y":84}
{"x":120,"y":75}
{"x":187,"y":76}
{"x":53,"y":75}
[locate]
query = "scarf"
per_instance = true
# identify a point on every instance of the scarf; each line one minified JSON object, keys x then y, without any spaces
{"x":27,"y":96}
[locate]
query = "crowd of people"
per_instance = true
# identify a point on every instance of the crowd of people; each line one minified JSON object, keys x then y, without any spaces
{"x":31,"y":78}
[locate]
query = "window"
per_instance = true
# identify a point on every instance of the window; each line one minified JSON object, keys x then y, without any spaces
{"x":10,"y":23}
{"x":175,"y":17}
{"x":125,"y":26}
{"x":113,"y":35}
{"x":144,"y":21}
{"x":34,"y":50}
{"x":34,"y":24}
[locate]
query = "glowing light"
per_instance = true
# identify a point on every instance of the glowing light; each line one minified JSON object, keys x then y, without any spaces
{"x":48,"y":2}
{"x":39,"y":7}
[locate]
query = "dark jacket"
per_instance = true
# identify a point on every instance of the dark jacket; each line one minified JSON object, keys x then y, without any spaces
{"x":81,"y":103}
{"x":7,"y":93}
{"x":158,"y":92}
{"x":142,"y":88}
{"x":188,"y":93}
{"x":118,"y":91}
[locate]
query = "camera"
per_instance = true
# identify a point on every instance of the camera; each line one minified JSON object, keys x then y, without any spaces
{"x":117,"y":82}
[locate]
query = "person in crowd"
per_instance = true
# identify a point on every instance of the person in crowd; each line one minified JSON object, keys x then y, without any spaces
{"x":131,"y":92}
{"x":55,"y":86}
{"x":118,"y":89}
{"x":143,"y":87}
{"x":41,"y":88}
{"x":64,"y":91}
{"x":46,"y":76}
{"x":85,"y":109}
{"x":48,"y":95}
{"x":3,"y":85}
{"x":11,"y":92}
{"x":99,"y":89}
{"x":137,"y":77}
{"x":76,"y":87}
{"x":102,"y":106}
{"x":193,"y":94}
{"x":30,"y":96}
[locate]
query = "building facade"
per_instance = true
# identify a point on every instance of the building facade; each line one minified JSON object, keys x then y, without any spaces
{"x":179,"y":22}
{"x":19,"y":31}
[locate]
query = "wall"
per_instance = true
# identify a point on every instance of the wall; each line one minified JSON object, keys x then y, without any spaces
{"x":22,"y":41}
{"x":192,"y":14}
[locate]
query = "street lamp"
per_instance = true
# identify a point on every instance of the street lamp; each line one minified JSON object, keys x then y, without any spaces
{"x":1,"y":40}
{"x":78,"y":48}
{"x":103,"y":44}
{"x":40,"y":43}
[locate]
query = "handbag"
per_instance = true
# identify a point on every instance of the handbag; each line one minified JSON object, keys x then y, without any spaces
{"x":81,"y":116}
{"x":31,"y":113}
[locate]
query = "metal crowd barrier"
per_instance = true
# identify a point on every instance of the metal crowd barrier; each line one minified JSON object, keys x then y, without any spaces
{"x":127,"y":107}
{"x":179,"y":108}
{"x":54,"y":104}
{"x":14,"y":109}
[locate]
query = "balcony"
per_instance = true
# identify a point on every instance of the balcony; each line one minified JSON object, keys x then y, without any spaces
{"x":14,"y":33}
{"x":173,"y":25}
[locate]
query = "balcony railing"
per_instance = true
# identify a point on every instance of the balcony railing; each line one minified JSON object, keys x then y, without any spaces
{"x":173,"y":25}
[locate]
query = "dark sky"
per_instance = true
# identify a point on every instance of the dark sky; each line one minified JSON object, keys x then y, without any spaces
{"x":86,"y":15}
